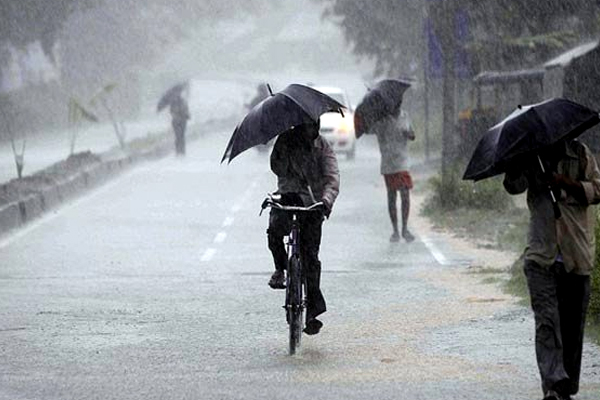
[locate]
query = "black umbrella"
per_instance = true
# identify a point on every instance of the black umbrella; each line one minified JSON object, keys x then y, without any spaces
{"x":380,"y":101}
{"x":171,"y":95}
{"x":526,"y":132}
{"x":528,"y":129}
{"x":294,"y":105}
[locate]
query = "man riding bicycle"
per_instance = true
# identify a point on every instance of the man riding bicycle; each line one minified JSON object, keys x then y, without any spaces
{"x":307,"y":172}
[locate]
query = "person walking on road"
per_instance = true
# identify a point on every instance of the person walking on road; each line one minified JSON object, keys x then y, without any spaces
{"x":559,"y":257}
{"x":393,"y":133}
{"x":180,"y":114}
{"x":307,"y":172}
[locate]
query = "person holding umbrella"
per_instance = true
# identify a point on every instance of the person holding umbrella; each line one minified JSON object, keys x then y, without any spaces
{"x":559,"y":257}
{"x":180,"y":113}
{"x":307,"y":172}
{"x":536,"y":149}
{"x":380,"y":113}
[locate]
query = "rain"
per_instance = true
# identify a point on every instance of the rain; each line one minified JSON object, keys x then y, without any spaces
{"x":328,"y":199}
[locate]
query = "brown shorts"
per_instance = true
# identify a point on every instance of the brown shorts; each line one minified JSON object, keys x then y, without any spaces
{"x":398,"y":180}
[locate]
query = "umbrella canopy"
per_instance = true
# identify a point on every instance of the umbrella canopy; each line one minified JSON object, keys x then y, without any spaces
{"x":170,"y":95}
{"x":380,"y":101}
{"x":294,"y":105}
{"x":528,"y":130}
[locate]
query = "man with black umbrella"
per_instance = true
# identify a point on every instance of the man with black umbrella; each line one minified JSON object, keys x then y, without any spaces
{"x":307,"y":172}
{"x":560,"y":255}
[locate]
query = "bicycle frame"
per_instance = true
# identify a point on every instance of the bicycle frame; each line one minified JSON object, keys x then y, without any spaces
{"x":294,"y":238}
{"x":295,"y":300}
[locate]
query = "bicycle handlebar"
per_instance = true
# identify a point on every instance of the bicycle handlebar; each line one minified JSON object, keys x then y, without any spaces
{"x":313,"y":207}
{"x":270,"y":201}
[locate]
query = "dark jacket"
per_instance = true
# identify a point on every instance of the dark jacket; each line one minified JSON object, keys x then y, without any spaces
{"x":299,"y":162}
{"x":179,"y":110}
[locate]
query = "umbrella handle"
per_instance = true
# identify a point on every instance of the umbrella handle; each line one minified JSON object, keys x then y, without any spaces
{"x":557,"y":213}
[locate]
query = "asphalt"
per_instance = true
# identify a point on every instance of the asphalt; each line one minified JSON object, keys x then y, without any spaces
{"x":154,"y":286}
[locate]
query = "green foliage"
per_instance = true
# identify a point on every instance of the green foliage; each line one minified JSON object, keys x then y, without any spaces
{"x":594,"y":310}
{"x":389,"y":32}
{"x":451,"y":192}
{"x":504,"y":33}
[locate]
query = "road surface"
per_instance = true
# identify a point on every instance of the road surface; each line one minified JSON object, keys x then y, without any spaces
{"x":154,"y":286}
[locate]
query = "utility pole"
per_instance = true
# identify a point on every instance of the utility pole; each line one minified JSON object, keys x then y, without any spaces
{"x":426,"y":76}
{"x":443,"y":17}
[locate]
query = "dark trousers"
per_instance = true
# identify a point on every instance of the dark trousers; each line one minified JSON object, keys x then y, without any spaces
{"x":559,"y":301}
{"x":310,"y":224}
{"x":179,"y":130}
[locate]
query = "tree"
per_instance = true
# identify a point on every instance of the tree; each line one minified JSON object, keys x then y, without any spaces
{"x":503,"y":34}
{"x":27,"y":21}
{"x":77,"y":114}
{"x":101,"y":99}
{"x":387,"y":31}
{"x":8,"y":113}
{"x":119,"y":38}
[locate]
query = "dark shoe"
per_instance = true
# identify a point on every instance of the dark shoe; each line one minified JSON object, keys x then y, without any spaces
{"x":552,"y":395}
{"x":395,"y":237}
{"x":313,"y":327}
{"x":408,"y":236}
{"x":277,"y":280}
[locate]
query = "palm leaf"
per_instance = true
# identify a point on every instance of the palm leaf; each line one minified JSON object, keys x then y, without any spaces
{"x":77,"y":112}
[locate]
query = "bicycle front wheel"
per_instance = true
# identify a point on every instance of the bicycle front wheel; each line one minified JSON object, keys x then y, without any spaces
{"x":295,"y":307}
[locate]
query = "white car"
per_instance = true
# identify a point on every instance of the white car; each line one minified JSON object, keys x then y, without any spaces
{"x":338,"y":130}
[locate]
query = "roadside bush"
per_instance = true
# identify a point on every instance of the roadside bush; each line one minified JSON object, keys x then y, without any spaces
{"x":453,"y":193}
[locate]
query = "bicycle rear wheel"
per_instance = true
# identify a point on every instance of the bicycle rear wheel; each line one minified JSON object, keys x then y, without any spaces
{"x":295,"y":308}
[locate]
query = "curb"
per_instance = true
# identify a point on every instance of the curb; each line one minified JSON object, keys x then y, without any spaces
{"x":10,"y":217}
{"x":18,"y":213}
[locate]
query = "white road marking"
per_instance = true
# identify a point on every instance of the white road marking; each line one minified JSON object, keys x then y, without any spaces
{"x":53,"y":214}
{"x":220,"y":238}
{"x":208,"y":255}
{"x":244,"y":198}
{"x":435,"y":252}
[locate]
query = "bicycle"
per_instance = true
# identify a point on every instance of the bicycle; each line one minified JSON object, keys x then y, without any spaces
{"x":295,"y":299}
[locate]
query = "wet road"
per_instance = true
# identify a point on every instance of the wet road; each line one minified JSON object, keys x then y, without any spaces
{"x":154,"y":287}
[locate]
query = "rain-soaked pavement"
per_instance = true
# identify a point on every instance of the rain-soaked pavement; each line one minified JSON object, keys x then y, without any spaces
{"x":154,"y":287}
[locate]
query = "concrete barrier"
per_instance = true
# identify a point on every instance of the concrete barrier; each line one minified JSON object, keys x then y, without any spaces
{"x":15,"y":214}
{"x":31,"y":207}
{"x":97,"y":175}
{"x":10,"y":217}
{"x":71,"y":187}
{"x":51,"y":197}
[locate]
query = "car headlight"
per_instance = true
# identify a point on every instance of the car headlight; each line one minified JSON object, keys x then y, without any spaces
{"x":345,"y":126}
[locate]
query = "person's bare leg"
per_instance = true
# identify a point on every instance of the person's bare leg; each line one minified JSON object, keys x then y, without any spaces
{"x":405,"y":198}
{"x":392,"y":196}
